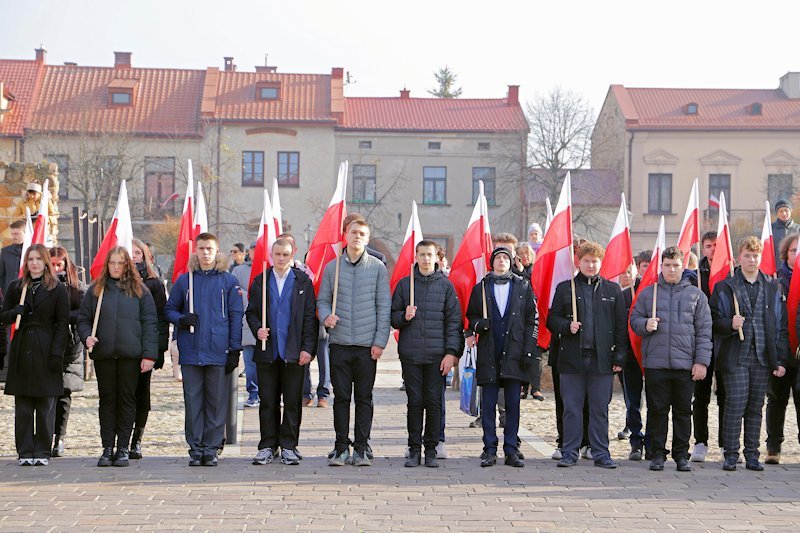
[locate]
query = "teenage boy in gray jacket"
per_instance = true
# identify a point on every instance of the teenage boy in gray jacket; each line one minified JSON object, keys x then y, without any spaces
{"x":676,"y":350}
{"x":359,"y":331}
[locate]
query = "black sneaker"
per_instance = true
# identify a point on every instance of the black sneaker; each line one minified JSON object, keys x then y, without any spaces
{"x":414,"y":458}
{"x":488,"y":459}
{"x":430,"y":460}
{"x":754,"y":464}
{"x":210,"y":460}
{"x":684,"y":465}
{"x":636,"y":453}
{"x":657,"y":464}
{"x":514,"y":460}
{"x":730,"y":463}
{"x":107,"y":459}
{"x":121,"y":458}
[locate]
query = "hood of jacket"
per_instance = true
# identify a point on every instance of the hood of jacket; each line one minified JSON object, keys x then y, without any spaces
{"x":221,"y":264}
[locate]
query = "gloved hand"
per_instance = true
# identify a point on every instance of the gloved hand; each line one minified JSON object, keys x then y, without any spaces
{"x":482,"y":325}
{"x":19,"y":310}
{"x":188,"y":320}
{"x":233,"y":361}
{"x":55,"y":364}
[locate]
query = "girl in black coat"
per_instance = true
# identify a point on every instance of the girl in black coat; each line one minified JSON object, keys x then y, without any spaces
{"x":67,"y":274}
{"x":143,"y":259}
{"x":36,"y":354}
{"x":125,"y":345}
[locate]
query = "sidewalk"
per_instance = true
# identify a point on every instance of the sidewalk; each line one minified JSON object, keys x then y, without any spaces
{"x":163,"y":493}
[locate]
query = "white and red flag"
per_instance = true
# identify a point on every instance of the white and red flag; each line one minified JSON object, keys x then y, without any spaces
{"x":119,"y":233}
{"x":619,"y":253}
{"x":555,"y":261}
{"x":41,"y":230}
{"x":472,"y":259}
{"x":200,"y":213}
{"x":549,"y":217}
{"x":327,"y":243}
{"x":722,"y":262}
{"x":713,"y":202}
{"x":690,"y":229}
{"x":792,"y":302}
{"x":768,"y":265}
{"x":186,"y":233}
{"x":407,"y":257}
{"x":277,"y":217}
{"x":266,"y":238}
{"x":649,"y":277}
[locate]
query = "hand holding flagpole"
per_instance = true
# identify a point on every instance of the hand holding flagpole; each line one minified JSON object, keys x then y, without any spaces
{"x":21,"y":302}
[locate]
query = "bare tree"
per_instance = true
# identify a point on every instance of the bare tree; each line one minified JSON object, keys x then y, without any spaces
{"x":446,"y":79}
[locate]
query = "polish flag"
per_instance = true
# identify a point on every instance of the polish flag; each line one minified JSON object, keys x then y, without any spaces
{"x":186,"y":232}
{"x":277,"y":217}
{"x":41,"y":231}
{"x":27,"y":239}
{"x":327,"y":243}
{"x":472,"y":259}
{"x":713,"y":202}
{"x":119,"y":233}
{"x":266,"y":238}
{"x":768,"y":265}
{"x":406,"y":259}
{"x":619,"y":254}
{"x":690,"y":229}
{"x":792,"y":301}
{"x":549,"y":217}
{"x":722,"y":262}
{"x":649,"y":277}
{"x":200,"y":213}
{"x":555,"y":260}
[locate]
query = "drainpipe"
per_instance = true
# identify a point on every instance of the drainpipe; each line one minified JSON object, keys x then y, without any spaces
{"x":219,"y":178}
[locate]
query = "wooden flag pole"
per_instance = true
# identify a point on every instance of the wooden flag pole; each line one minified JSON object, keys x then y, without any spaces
{"x":735,"y":300}
{"x":21,"y":302}
{"x":191,"y":283}
{"x":411,"y":286}
{"x":483,"y":296}
{"x":264,"y":304}
{"x":655,"y":296}
{"x":336,"y":281}
{"x":97,"y":315}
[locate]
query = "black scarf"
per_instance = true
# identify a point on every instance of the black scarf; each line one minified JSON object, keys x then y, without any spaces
{"x":500,"y":279}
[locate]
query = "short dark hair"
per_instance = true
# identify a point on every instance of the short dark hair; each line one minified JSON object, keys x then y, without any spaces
{"x":18,"y":224}
{"x":240,"y":246}
{"x":206,"y":236}
{"x":349,"y":219}
{"x":709,"y":236}
{"x":506,"y":238}
{"x":673,"y":252}
{"x":641,"y":257}
{"x":427,"y":242}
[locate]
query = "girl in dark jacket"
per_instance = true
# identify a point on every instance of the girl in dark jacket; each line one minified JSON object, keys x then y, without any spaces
{"x":507,"y":328}
{"x":143,"y":260}
{"x":124,"y":345}
{"x":36,"y":354}
{"x":67,"y":274}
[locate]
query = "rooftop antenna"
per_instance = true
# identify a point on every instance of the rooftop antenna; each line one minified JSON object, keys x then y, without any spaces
{"x":349,"y":79}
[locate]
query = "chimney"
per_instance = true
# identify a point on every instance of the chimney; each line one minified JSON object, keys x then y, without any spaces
{"x":790,"y":84}
{"x":513,"y":95}
{"x":40,"y":54}
{"x":229,"y":65}
{"x":266,"y":68}
{"x":405,"y":94}
{"x":122,"y":60}
{"x":70,"y":64}
{"x":337,"y":93}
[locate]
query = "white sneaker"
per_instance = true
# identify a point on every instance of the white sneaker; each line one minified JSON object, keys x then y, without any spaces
{"x":43,"y":461}
{"x":586,"y":452}
{"x":699,"y":453}
{"x":264,"y":456}
{"x":25,"y":461}
{"x":441,"y":452}
{"x":556,"y":454}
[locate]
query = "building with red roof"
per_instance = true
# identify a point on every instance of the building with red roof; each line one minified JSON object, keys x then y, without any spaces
{"x":740,"y":142}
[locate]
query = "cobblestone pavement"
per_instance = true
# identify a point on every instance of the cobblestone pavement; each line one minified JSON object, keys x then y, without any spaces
{"x":161,"y":492}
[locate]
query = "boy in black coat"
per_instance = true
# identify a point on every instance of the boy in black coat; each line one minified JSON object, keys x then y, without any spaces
{"x":592,"y":346}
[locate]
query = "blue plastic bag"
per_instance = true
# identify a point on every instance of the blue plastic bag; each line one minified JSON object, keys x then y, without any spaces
{"x":469,"y":385}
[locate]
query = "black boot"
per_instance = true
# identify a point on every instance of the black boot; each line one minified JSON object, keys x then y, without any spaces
{"x":107,"y":459}
{"x":136,"y":443}
{"x":414,"y":458}
{"x":121,"y":459}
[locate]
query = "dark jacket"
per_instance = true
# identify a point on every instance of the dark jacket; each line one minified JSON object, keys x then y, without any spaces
{"x":704,"y":266}
{"x":127,"y":327}
{"x":303,"y":328}
{"x":159,"y":293}
{"x":683,"y":337}
{"x":727,"y":346}
{"x":10,"y":257}
{"x":73,"y":351}
{"x":520,"y":337}
{"x":610,"y":325}
{"x":41,"y":336}
{"x":218,"y":305}
{"x":781,"y":229}
{"x":785,"y":277}
{"x":436,"y":328}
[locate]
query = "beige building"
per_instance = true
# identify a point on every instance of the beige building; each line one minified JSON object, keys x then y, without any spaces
{"x":743,"y":142}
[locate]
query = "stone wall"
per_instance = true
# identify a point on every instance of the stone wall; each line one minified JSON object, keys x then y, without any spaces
{"x":14,"y":179}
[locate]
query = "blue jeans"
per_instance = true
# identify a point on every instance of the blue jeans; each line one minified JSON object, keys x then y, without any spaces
{"x":250,"y":372}
{"x":323,"y":362}
{"x":489,"y":394}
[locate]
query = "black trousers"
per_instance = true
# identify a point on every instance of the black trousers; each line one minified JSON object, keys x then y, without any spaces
{"x":778,"y":391}
{"x":116,"y":386}
{"x":34,"y":420}
{"x":205,"y":395}
{"x":142,"y":400}
{"x":702,"y":399}
{"x":352,"y":373}
{"x":665,"y":389}
{"x":424,"y":392}
{"x":277,"y":379}
{"x":560,"y":412}
{"x":63,"y":406}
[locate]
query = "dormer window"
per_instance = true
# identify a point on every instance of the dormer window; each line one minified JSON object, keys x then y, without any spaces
{"x":754,"y":108}
{"x":122,"y":92}
{"x":268,"y":91}
{"x":691,"y":109}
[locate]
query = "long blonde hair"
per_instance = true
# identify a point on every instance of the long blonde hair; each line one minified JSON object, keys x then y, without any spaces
{"x":130,"y":282}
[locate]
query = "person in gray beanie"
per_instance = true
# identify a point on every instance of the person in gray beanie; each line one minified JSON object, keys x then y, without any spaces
{"x":783,"y":225}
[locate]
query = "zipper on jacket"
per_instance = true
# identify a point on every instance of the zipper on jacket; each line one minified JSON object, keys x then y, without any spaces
{"x":222,"y":297}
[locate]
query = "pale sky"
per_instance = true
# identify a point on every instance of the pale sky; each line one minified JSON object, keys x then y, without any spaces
{"x":583,"y":46}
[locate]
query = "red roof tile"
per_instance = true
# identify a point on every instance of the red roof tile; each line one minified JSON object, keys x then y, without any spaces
{"x":19,"y":78}
{"x":303,"y":97}
{"x":432,"y":114}
{"x":74,"y":98}
{"x":718,"y":109}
